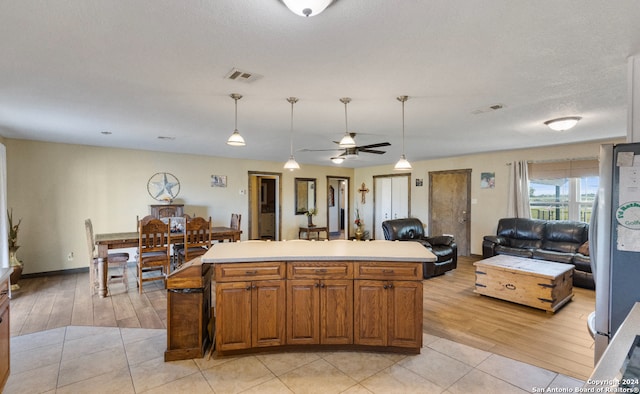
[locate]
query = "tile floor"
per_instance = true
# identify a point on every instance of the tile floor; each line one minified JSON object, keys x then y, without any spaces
{"x":130,"y":360}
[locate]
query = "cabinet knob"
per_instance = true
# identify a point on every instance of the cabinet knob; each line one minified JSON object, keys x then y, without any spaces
{"x":248,"y":287}
{"x":384,"y":287}
{"x":315,"y":285}
{"x":322,"y":285}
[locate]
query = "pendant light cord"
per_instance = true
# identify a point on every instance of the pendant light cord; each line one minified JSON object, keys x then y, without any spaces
{"x":346,"y":123}
{"x":403,"y":127}
{"x":291,"y":139}
{"x":236,"y":127}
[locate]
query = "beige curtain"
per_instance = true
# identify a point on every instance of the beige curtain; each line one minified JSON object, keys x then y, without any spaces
{"x":518,"y":201}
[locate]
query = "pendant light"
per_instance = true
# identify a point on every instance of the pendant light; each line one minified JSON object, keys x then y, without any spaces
{"x":307,"y":7}
{"x":403,"y":163}
{"x":236,"y":139}
{"x":347,"y":141}
{"x":292,"y":164}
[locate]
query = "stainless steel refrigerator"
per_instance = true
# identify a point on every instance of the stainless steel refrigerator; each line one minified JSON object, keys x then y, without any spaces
{"x":615,"y":240}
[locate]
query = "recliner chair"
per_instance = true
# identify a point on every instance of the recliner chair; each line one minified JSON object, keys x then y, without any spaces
{"x":443,"y":246}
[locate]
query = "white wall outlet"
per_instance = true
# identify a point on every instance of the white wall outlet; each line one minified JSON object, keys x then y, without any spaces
{"x":70,"y":256}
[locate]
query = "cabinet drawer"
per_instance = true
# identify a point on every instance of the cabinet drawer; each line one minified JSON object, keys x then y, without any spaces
{"x":319,"y":270}
{"x":389,"y":271}
{"x":249,"y":271}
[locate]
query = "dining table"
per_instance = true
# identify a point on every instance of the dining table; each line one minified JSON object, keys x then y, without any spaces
{"x":123,"y":240}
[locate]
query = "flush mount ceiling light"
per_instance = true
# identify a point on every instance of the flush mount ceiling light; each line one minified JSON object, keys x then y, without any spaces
{"x":347,"y":141}
{"x":307,"y":7}
{"x":403,"y":163}
{"x":236,"y":139}
{"x":291,"y":164}
{"x":562,"y":124}
{"x":337,"y":160}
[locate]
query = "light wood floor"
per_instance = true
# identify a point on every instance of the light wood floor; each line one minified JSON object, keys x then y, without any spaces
{"x":558,"y":342}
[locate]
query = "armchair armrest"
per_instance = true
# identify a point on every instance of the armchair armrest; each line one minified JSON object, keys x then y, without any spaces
{"x":439,"y":240}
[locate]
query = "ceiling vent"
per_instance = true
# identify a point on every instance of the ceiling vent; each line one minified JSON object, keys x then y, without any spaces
{"x":490,"y":108}
{"x":242,"y":76}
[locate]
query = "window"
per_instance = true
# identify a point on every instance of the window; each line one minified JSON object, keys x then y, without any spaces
{"x":563,"y":190}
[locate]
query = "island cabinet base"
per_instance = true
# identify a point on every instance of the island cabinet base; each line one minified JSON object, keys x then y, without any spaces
{"x":318,"y":305}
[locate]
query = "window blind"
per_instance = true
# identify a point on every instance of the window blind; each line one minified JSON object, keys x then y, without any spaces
{"x":563,"y":169}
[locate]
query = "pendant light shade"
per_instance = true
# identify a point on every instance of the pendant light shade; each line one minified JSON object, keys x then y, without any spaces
{"x":307,"y":7}
{"x":403,"y":163}
{"x":347,"y":141}
{"x":235,"y":139}
{"x":291,"y":164}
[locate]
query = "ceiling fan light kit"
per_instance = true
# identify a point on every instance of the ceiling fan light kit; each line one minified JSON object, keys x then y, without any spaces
{"x":337,"y":160}
{"x":562,"y":124}
{"x":291,"y":164}
{"x":403,"y":163}
{"x":347,"y":141}
{"x":307,"y":8}
{"x":235,"y":139}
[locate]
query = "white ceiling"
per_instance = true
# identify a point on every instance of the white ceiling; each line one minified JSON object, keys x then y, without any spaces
{"x":72,"y":69}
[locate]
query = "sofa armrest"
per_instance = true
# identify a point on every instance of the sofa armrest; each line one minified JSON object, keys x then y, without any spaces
{"x":489,"y":245}
{"x":496,"y":239}
{"x":439,"y":240}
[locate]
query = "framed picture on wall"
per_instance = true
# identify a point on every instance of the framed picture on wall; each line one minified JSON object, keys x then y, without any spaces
{"x":218,"y":181}
{"x":487,"y":180}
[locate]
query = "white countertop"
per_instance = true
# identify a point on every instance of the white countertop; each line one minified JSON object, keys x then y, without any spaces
{"x":608,"y":371}
{"x":336,"y":250}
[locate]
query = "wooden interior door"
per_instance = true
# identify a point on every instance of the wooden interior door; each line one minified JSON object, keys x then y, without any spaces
{"x":450,"y":206}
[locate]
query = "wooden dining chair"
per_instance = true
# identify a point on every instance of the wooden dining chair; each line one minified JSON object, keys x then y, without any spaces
{"x":154,"y":251}
{"x":197,"y":239}
{"x":116,"y":260}
{"x":235,"y":221}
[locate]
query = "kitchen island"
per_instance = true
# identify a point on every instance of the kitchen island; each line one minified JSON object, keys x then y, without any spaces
{"x":317,"y":295}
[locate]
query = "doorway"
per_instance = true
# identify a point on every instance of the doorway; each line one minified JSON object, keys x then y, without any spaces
{"x":338,"y":207}
{"x":450,"y":206}
{"x":391,"y":200}
{"x":264,"y":205}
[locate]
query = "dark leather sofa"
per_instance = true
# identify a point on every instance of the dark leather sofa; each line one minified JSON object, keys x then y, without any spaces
{"x":562,"y":241}
{"x":443,"y":246}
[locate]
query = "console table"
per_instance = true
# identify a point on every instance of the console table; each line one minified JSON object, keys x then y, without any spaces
{"x":307,"y":231}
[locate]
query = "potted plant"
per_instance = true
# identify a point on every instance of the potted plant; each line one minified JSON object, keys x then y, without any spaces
{"x":13,"y":248}
{"x":310,"y":214}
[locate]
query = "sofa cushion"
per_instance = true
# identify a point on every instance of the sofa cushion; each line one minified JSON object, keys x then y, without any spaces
{"x":550,"y":255}
{"x":564,"y":236}
{"x":584,"y":249}
{"x":514,"y":251}
{"x":522,"y":233}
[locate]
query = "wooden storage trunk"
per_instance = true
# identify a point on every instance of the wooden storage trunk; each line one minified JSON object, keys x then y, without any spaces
{"x":537,"y":283}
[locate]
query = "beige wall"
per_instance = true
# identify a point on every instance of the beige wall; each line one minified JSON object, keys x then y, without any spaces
{"x":488,"y":205}
{"x":54,"y":187}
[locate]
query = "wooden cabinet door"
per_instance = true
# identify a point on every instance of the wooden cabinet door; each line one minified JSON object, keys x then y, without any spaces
{"x":405,"y":308}
{"x":268,"y":313}
{"x":336,"y":312}
{"x":370,"y":305}
{"x":233,"y":315}
{"x":303,"y":312}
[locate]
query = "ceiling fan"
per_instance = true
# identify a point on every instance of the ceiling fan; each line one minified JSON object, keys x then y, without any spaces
{"x":348,"y":144}
{"x":352,"y":152}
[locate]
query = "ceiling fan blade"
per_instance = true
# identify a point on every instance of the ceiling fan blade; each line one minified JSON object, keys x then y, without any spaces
{"x":379,"y":152}
{"x":317,"y":150}
{"x":378,"y":145}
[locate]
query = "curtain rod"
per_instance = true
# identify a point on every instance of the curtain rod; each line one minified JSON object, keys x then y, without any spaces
{"x":559,"y":160}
